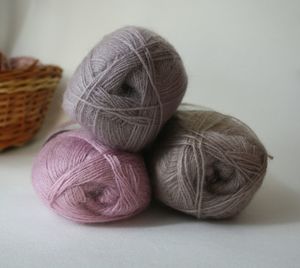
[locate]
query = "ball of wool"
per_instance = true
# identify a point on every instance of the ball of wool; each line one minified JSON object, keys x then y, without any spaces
{"x":126,"y":88}
{"x":206,"y":164}
{"x":87,"y":182}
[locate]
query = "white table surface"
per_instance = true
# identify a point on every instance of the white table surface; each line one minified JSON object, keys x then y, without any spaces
{"x":242,"y":58}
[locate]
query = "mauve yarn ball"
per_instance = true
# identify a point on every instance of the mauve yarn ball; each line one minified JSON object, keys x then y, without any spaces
{"x":126,"y":88}
{"x":206,"y":164}
{"x":87,"y":182}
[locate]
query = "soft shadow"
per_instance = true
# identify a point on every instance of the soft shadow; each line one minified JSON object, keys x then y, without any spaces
{"x":18,"y":11}
{"x":275,"y":203}
{"x":156,"y":215}
{"x":55,"y":111}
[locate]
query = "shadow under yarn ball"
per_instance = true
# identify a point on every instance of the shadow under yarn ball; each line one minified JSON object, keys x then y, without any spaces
{"x":126,"y":88}
{"x":87,"y":182}
{"x":206,"y":164}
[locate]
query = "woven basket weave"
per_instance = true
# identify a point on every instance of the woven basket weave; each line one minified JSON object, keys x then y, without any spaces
{"x":24,"y":98}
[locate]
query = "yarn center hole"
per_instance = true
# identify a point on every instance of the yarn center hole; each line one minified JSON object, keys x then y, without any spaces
{"x":101,"y":194}
{"x":125,"y":90}
{"x":222,"y":179}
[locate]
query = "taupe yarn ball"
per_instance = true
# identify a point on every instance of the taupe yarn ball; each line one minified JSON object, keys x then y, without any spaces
{"x":126,"y":88}
{"x":206,"y":164}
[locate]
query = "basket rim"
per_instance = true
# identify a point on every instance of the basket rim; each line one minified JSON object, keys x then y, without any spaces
{"x":44,"y":77}
{"x":46,"y":73}
{"x":34,"y":69}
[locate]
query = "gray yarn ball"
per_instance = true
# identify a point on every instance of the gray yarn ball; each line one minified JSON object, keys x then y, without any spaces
{"x":206,"y":164}
{"x":126,"y":88}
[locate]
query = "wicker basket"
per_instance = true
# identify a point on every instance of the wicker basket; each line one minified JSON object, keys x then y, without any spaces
{"x":24,"y":98}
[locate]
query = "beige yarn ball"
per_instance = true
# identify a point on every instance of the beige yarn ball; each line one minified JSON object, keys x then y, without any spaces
{"x":206,"y":164}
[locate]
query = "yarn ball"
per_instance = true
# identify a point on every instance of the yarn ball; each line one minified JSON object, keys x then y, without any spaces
{"x":87,"y":182}
{"x":126,"y":88}
{"x":206,"y":164}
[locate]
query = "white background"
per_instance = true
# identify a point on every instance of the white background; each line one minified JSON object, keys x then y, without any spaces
{"x":242,"y":58}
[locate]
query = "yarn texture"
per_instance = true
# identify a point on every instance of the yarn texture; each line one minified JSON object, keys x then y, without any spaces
{"x":206,"y":164}
{"x":126,"y":88}
{"x":84,"y":181}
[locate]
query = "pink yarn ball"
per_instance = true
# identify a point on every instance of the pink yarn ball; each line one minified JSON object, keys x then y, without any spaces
{"x":87,"y":182}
